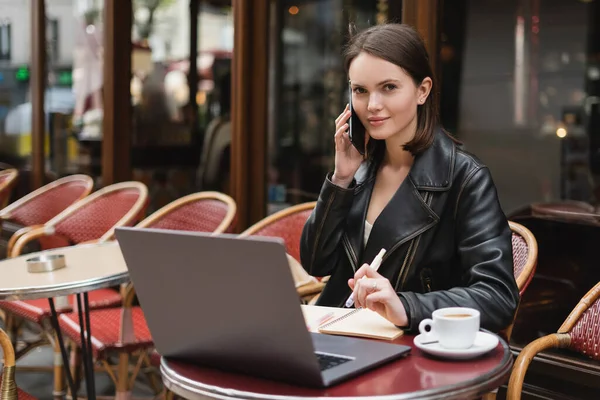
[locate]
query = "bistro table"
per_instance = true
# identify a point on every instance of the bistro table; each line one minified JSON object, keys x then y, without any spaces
{"x":417,"y":376}
{"x":88,"y":267}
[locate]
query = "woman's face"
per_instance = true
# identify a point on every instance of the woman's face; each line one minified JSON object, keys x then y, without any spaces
{"x":384,"y":97}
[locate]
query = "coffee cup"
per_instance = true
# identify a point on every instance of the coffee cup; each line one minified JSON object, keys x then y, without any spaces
{"x":452,"y":327}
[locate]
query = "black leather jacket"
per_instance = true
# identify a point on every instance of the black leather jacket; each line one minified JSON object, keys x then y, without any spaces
{"x":447,"y":239}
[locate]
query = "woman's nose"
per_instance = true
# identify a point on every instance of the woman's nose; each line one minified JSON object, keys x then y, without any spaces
{"x":374,"y":103}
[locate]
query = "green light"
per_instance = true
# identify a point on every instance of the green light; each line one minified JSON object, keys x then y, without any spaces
{"x":22,"y":74}
{"x":65,"y":78}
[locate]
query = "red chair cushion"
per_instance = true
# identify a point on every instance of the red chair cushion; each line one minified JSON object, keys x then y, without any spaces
{"x":585,"y":335}
{"x":39,"y":309}
{"x":201,"y":216}
{"x":106,"y":328}
{"x":46,"y":206}
{"x":22,"y":395}
{"x":94,"y":219}
{"x":155,"y":358}
{"x":289,"y":229}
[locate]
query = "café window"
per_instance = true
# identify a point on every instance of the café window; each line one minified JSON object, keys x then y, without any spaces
{"x":5,"y":40}
{"x":52,"y":39}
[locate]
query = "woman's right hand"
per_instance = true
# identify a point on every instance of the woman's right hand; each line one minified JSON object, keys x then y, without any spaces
{"x":347,"y":158}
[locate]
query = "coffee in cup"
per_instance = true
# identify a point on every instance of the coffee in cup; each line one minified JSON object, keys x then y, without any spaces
{"x":452,"y":327}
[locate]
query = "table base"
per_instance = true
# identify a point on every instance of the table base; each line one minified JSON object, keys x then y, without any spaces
{"x":87,"y":355}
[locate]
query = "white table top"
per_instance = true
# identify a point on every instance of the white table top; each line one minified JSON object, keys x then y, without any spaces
{"x":88,"y":267}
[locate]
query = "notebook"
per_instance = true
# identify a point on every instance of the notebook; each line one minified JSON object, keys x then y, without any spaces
{"x":359,"y":322}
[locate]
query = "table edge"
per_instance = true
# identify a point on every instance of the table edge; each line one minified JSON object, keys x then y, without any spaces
{"x":30,"y":293}
{"x":476,"y":387}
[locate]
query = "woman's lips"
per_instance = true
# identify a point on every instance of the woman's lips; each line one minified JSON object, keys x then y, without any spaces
{"x":377,"y":121}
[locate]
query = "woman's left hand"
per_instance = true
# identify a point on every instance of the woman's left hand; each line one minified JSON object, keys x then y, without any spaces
{"x":376,"y":293}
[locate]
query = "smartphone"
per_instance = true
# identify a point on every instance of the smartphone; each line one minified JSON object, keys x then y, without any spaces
{"x":356,"y":131}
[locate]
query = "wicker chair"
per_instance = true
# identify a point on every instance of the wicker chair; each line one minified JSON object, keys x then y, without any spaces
{"x":287,"y":224}
{"x":8,"y":386}
{"x":43,"y":204}
{"x":525,"y":253}
{"x":578,"y":333}
{"x":8,"y":179}
{"x":124,"y":330}
{"x":91,"y":219}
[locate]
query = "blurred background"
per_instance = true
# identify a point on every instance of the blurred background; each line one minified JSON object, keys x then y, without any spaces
{"x":518,"y":83}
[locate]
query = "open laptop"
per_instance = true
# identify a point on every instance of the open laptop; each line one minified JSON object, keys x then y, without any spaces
{"x":230,"y":303}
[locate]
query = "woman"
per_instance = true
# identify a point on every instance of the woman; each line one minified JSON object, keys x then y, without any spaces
{"x":418,"y":195}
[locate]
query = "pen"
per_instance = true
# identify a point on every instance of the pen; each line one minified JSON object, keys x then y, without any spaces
{"x":375,"y":265}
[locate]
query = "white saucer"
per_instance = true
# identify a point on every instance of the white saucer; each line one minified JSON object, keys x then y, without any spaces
{"x":484,"y":342}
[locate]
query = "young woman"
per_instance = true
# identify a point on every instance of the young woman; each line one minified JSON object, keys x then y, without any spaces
{"x":417,"y":194}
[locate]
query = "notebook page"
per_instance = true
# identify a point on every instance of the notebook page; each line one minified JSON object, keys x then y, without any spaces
{"x":313,"y":315}
{"x":362,"y":323}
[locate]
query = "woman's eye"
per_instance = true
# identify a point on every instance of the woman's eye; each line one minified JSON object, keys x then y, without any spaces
{"x":359,"y":90}
{"x":389,"y":87}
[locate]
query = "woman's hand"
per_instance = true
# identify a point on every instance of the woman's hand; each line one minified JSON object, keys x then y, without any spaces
{"x":347,"y":158}
{"x":373,"y":291}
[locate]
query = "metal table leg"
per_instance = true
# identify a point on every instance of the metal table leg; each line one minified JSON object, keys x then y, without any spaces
{"x":87,"y":355}
{"x":63,"y":350}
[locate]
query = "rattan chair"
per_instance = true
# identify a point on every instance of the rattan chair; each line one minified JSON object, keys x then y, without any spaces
{"x":91,"y":219}
{"x":8,"y":386}
{"x":579,"y":333}
{"x":123,"y":330}
{"x":43,"y":204}
{"x":287,"y":224}
{"x":8,"y":179}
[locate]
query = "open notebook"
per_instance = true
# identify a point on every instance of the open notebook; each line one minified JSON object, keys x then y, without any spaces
{"x":359,"y":322}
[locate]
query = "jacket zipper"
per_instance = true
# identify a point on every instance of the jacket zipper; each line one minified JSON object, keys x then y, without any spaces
{"x":410,"y":247}
{"x":428,"y":284}
{"x":410,"y":254}
{"x":408,"y":259}
{"x":353,"y":263}
{"x":426,"y":280}
{"x":350,"y":253}
{"x":318,"y":235}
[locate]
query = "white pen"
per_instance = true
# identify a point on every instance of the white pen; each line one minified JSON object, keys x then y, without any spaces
{"x":375,"y":265}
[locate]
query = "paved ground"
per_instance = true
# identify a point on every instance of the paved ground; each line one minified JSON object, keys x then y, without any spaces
{"x":40,"y":384}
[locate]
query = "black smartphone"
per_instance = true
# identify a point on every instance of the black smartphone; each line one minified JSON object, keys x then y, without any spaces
{"x":356,"y":130}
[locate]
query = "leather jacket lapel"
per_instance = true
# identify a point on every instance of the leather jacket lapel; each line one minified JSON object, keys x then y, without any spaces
{"x":406,"y":216}
{"x":356,"y":219}
{"x":410,"y":212}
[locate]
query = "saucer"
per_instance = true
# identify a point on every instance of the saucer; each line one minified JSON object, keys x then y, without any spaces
{"x":484,"y":342}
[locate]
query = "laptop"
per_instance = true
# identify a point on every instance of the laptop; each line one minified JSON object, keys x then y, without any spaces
{"x":230,"y":303}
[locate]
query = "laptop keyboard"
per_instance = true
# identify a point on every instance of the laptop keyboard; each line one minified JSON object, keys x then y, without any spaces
{"x":327,"y":361}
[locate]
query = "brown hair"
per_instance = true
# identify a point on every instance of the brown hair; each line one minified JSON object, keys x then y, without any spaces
{"x":401,"y":45}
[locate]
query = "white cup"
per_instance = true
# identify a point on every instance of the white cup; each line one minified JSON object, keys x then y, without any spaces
{"x":452,"y":327}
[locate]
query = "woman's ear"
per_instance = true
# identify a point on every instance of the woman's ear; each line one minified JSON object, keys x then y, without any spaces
{"x":423,"y":90}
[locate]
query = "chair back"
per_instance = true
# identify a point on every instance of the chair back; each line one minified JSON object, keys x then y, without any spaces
{"x":8,"y":385}
{"x":96,"y":216}
{"x":286,"y":224}
{"x":200,"y":212}
{"x":525,"y":253}
{"x":578,"y":333}
{"x":8,"y":179}
{"x":583,"y":325}
{"x":41,"y":205}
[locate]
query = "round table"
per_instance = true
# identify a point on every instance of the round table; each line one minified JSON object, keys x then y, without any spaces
{"x":417,"y":376}
{"x":88,"y":267}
